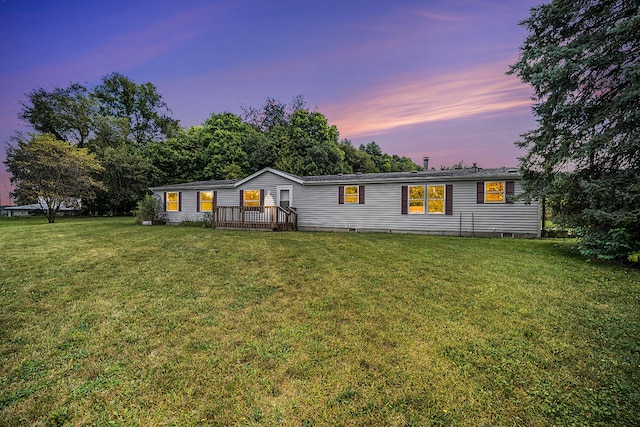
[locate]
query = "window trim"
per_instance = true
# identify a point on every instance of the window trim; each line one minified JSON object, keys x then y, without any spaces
{"x":354,"y":196}
{"x":284,"y":187}
{"x":243,"y":200}
{"x":503,"y":193}
{"x":199,"y":201}
{"x":167,"y":196}
{"x":342,"y":196}
{"x":509,"y":192}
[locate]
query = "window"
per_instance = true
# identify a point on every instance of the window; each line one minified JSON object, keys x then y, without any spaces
{"x":494,"y":192}
{"x":251,"y":197}
{"x":206,"y":201}
{"x":416,"y":199}
{"x":173,"y":201}
{"x":436,"y":199}
{"x":351,"y":194}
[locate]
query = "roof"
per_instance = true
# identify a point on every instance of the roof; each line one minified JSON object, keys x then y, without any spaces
{"x":432,"y":175}
{"x":441,"y":175}
{"x":37,"y":206}
{"x":200,"y":184}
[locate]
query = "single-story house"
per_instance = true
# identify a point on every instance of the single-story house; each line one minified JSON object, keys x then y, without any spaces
{"x":465,"y":202}
{"x":38,"y":208}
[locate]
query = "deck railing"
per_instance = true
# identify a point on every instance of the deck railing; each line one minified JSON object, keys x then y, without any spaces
{"x":255,"y":217}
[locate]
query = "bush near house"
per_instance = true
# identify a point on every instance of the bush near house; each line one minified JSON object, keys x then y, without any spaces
{"x":107,"y":323}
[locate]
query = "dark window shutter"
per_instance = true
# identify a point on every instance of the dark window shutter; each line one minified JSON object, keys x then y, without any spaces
{"x":361,"y":195}
{"x":215,"y":200}
{"x":241,"y":197}
{"x":480,"y":192}
{"x":197,"y":201}
{"x":179,"y":201}
{"x":341,"y":195}
{"x":509,"y":190}
{"x":262,"y":197}
{"x":165,"y":201}
{"x":448,"y":201}
{"x":405,"y":200}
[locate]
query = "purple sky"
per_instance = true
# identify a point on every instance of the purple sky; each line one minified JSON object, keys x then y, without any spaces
{"x":421,"y":78}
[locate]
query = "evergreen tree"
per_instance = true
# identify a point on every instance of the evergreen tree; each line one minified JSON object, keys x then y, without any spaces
{"x":582,"y":59}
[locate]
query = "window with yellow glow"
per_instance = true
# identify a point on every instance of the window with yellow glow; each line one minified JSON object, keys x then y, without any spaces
{"x":435,"y":202}
{"x":252,"y":197}
{"x":351,"y":194}
{"x":416,"y":199}
{"x":173,"y":202}
{"x":494,"y":192}
{"x":206,"y":201}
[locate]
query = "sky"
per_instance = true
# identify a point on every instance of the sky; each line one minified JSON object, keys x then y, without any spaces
{"x":418,"y":77}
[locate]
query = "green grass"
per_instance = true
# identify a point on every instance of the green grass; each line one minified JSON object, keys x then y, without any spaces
{"x":103,"y":322}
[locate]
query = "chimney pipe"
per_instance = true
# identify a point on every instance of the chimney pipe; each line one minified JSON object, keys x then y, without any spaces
{"x":425,"y":161}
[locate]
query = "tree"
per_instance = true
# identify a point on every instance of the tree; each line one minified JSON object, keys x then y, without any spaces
{"x":117,"y":120}
{"x":125,"y":177}
{"x":309,"y":146}
{"x":148,"y":114}
{"x":380,"y":159}
{"x":51,"y":172}
{"x":356,"y":160}
{"x":273,"y":113}
{"x":67,"y":113}
{"x":402,"y":164}
{"x":582,"y":59}
{"x":262,"y":150}
{"x":225,"y":156}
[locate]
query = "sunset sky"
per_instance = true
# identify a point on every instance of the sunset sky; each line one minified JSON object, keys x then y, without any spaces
{"x":421,"y":78}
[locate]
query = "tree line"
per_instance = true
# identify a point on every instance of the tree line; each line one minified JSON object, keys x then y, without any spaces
{"x":128,"y":139}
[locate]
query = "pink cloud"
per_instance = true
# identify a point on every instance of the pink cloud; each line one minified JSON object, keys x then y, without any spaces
{"x":416,"y":99}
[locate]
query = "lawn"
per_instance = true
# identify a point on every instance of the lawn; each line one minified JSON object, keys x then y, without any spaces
{"x":104,"y":322}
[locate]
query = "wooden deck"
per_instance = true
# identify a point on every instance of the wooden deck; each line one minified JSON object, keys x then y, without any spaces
{"x":255,"y":217}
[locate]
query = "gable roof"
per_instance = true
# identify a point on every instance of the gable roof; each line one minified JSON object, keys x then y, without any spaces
{"x":289,"y":176}
{"x":441,"y":175}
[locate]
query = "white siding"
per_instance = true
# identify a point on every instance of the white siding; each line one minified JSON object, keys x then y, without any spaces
{"x":268,"y":182}
{"x":318,"y":208}
{"x":382,"y":211}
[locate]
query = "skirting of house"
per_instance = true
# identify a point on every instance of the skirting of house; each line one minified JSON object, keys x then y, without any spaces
{"x":485,"y":234}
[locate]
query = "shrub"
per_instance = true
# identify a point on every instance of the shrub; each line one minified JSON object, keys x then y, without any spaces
{"x":148,"y":209}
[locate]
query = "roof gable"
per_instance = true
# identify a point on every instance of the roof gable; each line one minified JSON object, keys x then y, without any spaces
{"x":285,"y":175}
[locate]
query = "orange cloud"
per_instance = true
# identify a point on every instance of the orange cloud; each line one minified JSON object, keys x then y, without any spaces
{"x":416,"y":99}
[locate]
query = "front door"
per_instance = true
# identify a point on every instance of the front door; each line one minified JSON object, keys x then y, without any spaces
{"x":285,"y":196}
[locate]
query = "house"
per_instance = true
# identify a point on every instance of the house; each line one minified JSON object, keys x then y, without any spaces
{"x":38,"y":208}
{"x":465,"y":202}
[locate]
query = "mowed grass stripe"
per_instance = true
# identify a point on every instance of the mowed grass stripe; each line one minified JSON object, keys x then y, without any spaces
{"x":106,"y":322}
